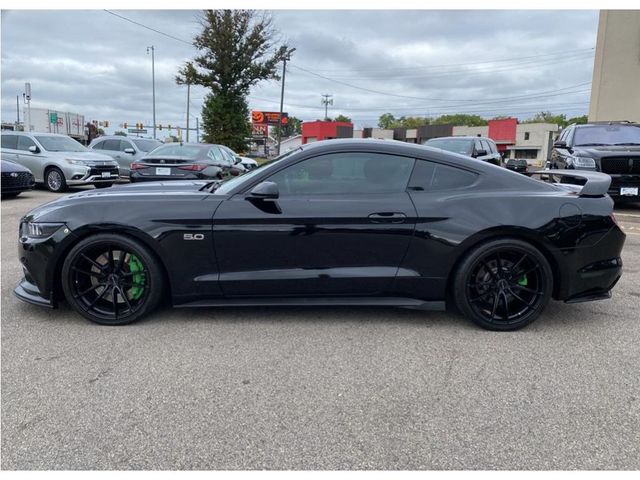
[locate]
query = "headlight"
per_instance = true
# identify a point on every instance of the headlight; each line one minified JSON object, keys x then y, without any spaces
{"x":76,"y":162}
{"x":582,"y":162}
{"x":42,"y":230}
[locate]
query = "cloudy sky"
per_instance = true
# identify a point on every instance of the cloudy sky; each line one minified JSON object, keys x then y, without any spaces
{"x":404,"y":62}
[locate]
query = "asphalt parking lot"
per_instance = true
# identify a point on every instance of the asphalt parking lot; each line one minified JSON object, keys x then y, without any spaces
{"x":320,"y":388}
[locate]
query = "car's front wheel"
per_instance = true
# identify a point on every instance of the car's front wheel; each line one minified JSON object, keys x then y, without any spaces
{"x":503,"y":284}
{"x":112,"y":279}
{"x":54,"y":180}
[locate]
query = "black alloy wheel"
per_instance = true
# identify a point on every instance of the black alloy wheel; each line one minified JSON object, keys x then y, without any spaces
{"x":112,"y":279}
{"x":503,"y":285}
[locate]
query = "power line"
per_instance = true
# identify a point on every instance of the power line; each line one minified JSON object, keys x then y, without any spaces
{"x":148,"y":28}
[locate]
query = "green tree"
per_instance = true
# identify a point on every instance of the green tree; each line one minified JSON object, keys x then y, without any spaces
{"x":413,"y":122}
{"x":548,"y":117}
{"x":120,"y":133}
{"x":387,"y":121}
{"x":461,"y":119}
{"x":235,"y":53}
{"x":342,"y":118}
{"x":293,"y":127}
{"x":579,"y":120}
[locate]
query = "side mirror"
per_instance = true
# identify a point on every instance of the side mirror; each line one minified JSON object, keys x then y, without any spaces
{"x":264,"y":191}
{"x":481,"y":153}
{"x":34,"y":149}
{"x":560,"y":144}
{"x":130,"y":151}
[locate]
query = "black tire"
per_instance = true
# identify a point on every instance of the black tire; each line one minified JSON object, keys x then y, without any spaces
{"x":54,"y":180}
{"x":105,"y":288}
{"x":503,"y":284}
{"x":102,"y":185}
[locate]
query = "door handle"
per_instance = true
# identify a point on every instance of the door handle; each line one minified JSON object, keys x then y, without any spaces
{"x":387,"y":217}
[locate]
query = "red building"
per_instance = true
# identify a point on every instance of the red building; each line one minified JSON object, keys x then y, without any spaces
{"x":503,"y":132}
{"x":316,"y":131}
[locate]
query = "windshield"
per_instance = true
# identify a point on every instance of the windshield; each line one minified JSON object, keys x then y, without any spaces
{"x":177,"y":150}
{"x":464,"y":147}
{"x":228,"y":185}
{"x":147,"y":145}
{"x":59,"y":144}
{"x":607,"y":135}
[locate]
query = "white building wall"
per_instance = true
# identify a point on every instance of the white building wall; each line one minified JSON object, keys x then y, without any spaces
{"x":461,"y":131}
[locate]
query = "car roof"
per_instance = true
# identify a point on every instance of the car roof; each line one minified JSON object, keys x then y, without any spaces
{"x":40,"y":134}
{"x":460,"y":137}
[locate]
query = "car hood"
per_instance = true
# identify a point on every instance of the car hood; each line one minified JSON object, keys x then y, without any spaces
{"x":8,"y":166}
{"x":608,"y":151}
{"x":86,"y":156}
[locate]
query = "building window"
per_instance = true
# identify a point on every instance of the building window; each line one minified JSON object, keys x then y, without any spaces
{"x":526,"y":135}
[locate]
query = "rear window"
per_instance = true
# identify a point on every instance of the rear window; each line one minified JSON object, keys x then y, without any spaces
{"x":432,"y":177}
{"x":177,"y":150}
{"x":9,"y":141}
{"x":464,"y":147}
{"x":147,"y":145}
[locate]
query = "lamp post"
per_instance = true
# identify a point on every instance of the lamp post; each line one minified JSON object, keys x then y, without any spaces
{"x":287,"y":56}
{"x":153,"y":85}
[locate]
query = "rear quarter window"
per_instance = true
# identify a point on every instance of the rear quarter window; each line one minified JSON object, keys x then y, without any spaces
{"x":10,"y":141}
{"x":432,"y":177}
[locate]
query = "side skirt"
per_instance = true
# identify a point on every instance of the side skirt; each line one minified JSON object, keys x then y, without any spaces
{"x":412,"y":303}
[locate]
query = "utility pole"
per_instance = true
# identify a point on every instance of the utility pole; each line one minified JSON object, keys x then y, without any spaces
{"x":287,"y":56}
{"x":188,"y":93}
{"x":153,"y":85}
{"x":197,"y":130}
{"x":17,"y":111}
{"x":326,"y":101}
{"x":27,"y":98}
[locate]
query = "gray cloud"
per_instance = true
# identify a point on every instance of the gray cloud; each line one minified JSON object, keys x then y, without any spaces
{"x":93,"y":63}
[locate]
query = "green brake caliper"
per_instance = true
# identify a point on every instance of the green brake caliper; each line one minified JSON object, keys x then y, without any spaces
{"x":523,"y":281}
{"x":135,"y":265}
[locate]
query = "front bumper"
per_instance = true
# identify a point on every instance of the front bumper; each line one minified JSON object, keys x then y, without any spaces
{"x":28,"y":292}
{"x":630,"y":184}
{"x":92,"y":174}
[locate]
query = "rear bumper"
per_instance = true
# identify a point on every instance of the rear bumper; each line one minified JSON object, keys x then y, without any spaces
{"x":591,"y":272}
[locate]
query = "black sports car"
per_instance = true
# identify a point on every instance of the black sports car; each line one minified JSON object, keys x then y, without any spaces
{"x":340,"y":222}
{"x":15,"y":179}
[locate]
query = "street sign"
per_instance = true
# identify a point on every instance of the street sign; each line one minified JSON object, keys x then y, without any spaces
{"x":270,"y":118}
{"x":259,"y":130}
{"x":137,"y":130}
{"x":53,"y":117}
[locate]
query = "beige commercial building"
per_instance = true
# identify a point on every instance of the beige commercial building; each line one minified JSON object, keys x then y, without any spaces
{"x":615,"y":91}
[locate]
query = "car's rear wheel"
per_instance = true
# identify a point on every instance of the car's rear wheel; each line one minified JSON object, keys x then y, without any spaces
{"x":54,"y":180}
{"x":503,"y":284}
{"x":112,"y":279}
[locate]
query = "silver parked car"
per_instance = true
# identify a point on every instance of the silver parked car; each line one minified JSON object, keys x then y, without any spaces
{"x":124,"y":150}
{"x":58,"y":160}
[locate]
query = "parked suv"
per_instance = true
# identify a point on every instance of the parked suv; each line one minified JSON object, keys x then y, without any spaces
{"x":124,"y":150}
{"x":58,"y":160}
{"x":608,"y":147}
{"x":481,"y":148}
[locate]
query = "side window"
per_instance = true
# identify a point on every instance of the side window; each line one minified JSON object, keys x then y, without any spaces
{"x":10,"y":141}
{"x":486,"y":147}
{"x":25,"y":142}
{"x":477,"y":146}
{"x":113,"y":145}
{"x":569,"y":137}
{"x":433,"y":177}
{"x":125,"y":144}
{"x":98,"y":146}
{"x":345,"y":173}
{"x":216,"y":155}
{"x":493,"y":146}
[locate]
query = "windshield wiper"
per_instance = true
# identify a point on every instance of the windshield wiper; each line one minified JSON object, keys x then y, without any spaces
{"x":210,"y":186}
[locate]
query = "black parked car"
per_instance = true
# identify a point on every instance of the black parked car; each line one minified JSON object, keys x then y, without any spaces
{"x":338,"y":222}
{"x":15,"y":179}
{"x":612,"y":148}
{"x":517,"y":165}
{"x":481,"y":148}
{"x":183,"y":161}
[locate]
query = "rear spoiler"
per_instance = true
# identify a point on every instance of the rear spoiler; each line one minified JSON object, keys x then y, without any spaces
{"x":594,"y":184}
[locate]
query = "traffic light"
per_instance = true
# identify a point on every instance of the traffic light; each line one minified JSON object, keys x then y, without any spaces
{"x":125,"y":125}
{"x":160,"y":126}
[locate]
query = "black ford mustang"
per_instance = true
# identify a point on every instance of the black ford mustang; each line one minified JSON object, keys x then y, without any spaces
{"x":353,"y":222}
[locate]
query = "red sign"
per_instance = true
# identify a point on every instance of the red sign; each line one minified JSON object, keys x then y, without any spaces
{"x":259,"y":130}
{"x":270,"y":118}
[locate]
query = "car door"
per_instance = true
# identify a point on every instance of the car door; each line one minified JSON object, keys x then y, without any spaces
{"x":34,"y":161}
{"x":341,"y":226}
{"x":125,"y":159}
{"x":559,"y":154}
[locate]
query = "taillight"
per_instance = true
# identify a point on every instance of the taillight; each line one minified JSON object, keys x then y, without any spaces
{"x":137,"y":166}
{"x":196,"y":167}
